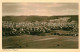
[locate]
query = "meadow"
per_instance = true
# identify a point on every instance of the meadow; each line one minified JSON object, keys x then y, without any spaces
{"x":40,"y":42}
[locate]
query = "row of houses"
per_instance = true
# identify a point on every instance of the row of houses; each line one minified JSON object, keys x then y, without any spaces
{"x":34,"y":24}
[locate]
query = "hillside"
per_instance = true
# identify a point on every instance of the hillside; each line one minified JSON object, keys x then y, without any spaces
{"x":36,"y":18}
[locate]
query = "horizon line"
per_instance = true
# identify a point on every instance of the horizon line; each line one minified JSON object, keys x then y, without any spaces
{"x":37,"y":15}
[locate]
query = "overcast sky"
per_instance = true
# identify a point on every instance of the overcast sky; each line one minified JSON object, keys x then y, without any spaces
{"x":42,"y":9}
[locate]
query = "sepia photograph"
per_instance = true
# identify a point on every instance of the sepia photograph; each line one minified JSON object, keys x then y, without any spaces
{"x":40,"y":25}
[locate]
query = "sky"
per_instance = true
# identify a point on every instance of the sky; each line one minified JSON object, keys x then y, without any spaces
{"x":41,"y":9}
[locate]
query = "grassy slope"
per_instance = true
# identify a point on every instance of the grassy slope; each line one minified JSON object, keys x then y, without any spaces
{"x":27,"y":41}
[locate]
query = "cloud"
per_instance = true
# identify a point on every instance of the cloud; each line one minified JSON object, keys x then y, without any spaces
{"x":39,"y":9}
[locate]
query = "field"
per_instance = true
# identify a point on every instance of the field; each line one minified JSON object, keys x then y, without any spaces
{"x":39,"y":42}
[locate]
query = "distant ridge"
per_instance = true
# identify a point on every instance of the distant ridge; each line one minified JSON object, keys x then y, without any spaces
{"x":34,"y":18}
